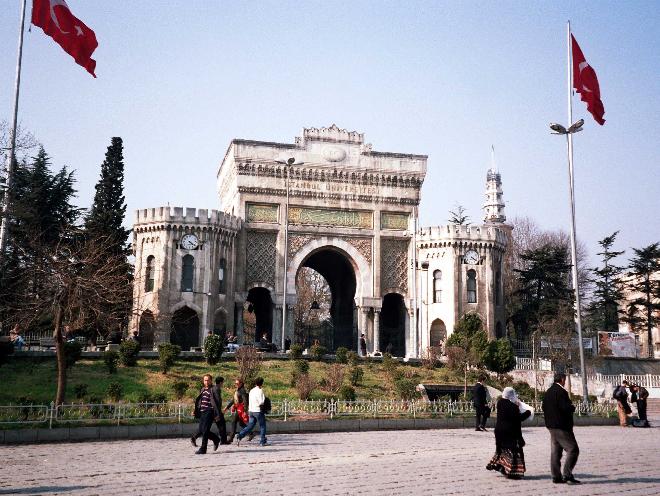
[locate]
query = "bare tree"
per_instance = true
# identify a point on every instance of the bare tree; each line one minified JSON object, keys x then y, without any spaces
{"x":458,"y":216}
{"x":72,"y":293}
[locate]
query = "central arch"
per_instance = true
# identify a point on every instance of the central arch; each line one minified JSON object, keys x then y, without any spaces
{"x":348,"y":273}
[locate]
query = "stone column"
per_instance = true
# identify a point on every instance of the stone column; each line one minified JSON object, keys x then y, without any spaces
{"x":277,"y":324}
{"x":238,"y":309}
{"x":376,"y":329}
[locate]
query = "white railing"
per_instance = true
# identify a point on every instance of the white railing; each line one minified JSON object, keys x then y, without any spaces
{"x":122,"y":413}
{"x":542,"y":364}
{"x":645,"y":380}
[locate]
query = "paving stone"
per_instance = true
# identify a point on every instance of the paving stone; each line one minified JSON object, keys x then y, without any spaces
{"x":613,"y":460}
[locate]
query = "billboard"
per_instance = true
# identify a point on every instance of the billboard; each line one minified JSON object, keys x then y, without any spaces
{"x":617,"y":344}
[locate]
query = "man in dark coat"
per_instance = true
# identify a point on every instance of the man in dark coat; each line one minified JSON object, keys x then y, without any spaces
{"x":216,"y":402}
{"x":558,"y":412}
{"x":640,"y":395}
{"x":208,"y":410}
{"x":479,"y":402}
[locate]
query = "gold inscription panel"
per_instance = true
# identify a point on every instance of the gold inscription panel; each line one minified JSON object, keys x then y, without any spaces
{"x":335,"y":218}
{"x":260,"y":212}
{"x":397,"y":221}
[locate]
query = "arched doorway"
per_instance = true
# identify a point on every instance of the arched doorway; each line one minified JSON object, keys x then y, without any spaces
{"x":185,"y":328}
{"x":393,"y":325}
{"x":438,"y":334}
{"x":146,"y":330}
{"x":220,"y":323}
{"x":334,"y":266}
{"x":258,"y":315}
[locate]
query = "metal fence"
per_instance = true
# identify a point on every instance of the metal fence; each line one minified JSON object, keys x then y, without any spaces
{"x":645,"y":380}
{"x":125,"y":413}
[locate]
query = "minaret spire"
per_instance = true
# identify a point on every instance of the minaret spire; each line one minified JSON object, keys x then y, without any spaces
{"x":494,"y":205}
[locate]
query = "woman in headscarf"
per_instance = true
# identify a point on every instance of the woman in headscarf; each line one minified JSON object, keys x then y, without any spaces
{"x":509,"y":458}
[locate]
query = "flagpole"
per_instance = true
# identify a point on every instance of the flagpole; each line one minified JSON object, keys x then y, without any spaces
{"x":12,"y":140}
{"x":576,"y":288}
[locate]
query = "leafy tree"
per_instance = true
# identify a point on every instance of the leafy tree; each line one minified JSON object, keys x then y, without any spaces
{"x":543,"y":286}
{"x":643,"y":282}
{"x":214,"y":345}
{"x":499,"y":356}
{"x":603,"y":311}
{"x":467,"y":344}
{"x":458,"y":216}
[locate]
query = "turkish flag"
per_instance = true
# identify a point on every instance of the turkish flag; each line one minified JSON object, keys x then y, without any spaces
{"x":585,"y":83}
{"x":57,"y":21}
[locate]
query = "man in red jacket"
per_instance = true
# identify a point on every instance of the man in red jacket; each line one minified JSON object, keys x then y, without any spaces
{"x":558,"y":412}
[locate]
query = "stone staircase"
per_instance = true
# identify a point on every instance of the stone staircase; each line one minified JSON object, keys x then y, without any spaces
{"x":653,"y":408}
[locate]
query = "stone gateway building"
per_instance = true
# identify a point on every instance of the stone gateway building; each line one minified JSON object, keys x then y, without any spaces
{"x":329,"y":202}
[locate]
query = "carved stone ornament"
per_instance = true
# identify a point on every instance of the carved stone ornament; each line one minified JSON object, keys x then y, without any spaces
{"x":334,"y":218}
{"x":393,"y":264}
{"x":257,"y":212}
{"x":296,"y":242}
{"x":334,"y":154}
{"x":261,"y":254}
{"x":396,"y":221}
{"x":363,"y":245}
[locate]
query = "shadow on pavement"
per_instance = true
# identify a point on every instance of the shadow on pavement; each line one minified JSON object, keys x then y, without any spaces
{"x":42,"y":489}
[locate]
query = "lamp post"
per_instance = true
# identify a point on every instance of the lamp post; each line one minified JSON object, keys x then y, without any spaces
{"x":576,"y":127}
{"x":288,"y":165}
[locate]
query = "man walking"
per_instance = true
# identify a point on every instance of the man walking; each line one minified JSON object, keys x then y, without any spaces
{"x":239,"y":406}
{"x":558,"y":411}
{"x":479,"y":402}
{"x":257,"y":399}
{"x":208,"y":411}
{"x":620,"y":394}
{"x":216,"y":398}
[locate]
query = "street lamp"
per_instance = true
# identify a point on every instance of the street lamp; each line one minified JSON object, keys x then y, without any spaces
{"x":576,"y":127}
{"x":291,"y":161}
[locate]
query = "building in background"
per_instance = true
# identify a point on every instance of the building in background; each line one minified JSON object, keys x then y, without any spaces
{"x":351,"y":217}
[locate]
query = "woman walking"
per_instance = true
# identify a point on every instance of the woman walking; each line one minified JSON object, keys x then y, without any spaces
{"x":509,"y":458}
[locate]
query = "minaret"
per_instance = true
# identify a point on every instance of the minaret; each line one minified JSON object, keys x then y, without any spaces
{"x":494,"y":205}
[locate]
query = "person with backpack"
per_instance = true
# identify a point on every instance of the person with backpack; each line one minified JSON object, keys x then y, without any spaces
{"x":258,"y":407}
{"x":620,"y":394}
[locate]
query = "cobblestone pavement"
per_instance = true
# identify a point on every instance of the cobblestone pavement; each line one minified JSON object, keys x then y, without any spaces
{"x":613,"y":460}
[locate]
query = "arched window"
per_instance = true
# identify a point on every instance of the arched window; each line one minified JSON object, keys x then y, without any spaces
{"x":498,"y":288}
{"x":187,"y":272}
{"x":150,"y":274}
{"x":471,"y":286}
{"x":437,"y":288}
{"x":221,"y":276}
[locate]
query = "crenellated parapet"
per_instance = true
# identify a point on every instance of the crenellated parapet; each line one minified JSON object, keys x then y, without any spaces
{"x":480,"y":236}
{"x":175,"y":218}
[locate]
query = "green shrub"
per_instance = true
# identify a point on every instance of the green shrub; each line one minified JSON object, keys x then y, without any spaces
{"x":347,"y":393}
{"x":317,"y":351}
{"x":341,"y":354}
{"x":115,"y":391}
{"x":300,"y":367}
{"x":405,"y":388}
{"x":145,"y":397}
{"x":356,"y":375}
{"x":295,"y":352}
{"x":111,"y":359}
{"x":352,"y":358}
{"x":80,"y":390}
{"x":499,"y":356}
{"x":159,"y":397}
{"x":180,"y":388}
{"x":167,"y":355}
{"x":128,"y":352}
{"x":72,"y":353}
{"x":214,"y":345}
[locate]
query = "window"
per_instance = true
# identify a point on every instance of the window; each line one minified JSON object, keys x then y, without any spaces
{"x":150,"y":274}
{"x":437,"y":289}
{"x":471,"y":286}
{"x":221,"y":276}
{"x":498,"y":288}
{"x":187,"y":271}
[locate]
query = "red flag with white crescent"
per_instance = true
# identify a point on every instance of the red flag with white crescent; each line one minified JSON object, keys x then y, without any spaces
{"x":585,"y":83}
{"x":57,"y":21}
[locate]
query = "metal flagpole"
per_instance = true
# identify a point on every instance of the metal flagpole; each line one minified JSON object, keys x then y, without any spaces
{"x":286,"y":253}
{"x":569,"y":138}
{"x":12,"y":140}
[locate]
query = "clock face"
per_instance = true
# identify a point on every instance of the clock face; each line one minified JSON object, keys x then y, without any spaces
{"x":471,"y":257}
{"x":189,"y":242}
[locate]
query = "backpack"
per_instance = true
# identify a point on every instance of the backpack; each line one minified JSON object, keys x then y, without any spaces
{"x":619,"y":393}
{"x":266,"y":406}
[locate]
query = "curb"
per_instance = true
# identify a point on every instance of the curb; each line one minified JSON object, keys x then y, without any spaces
{"x":151,"y":431}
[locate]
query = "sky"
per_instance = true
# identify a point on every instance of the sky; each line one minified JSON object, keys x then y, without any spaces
{"x":178,"y":80}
